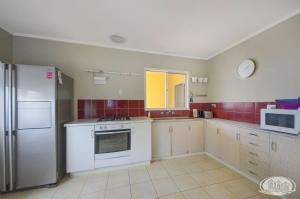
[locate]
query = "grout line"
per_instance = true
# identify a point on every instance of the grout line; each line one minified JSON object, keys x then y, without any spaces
{"x":106,"y":186}
{"x":129,"y":183}
{"x":152,"y":182}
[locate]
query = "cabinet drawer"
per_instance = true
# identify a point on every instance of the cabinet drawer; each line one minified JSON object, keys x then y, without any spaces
{"x":256,"y":136}
{"x":255,"y":164}
{"x":254,"y":168}
{"x":256,"y":140}
{"x":256,"y":173}
{"x":254,"y":153}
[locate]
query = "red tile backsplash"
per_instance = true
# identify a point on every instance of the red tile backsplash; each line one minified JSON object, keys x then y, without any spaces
{"x":134,"y":103}
{"x":98,"y":104}
{"x":110,"y":104}
{"x":237,"y":111}
{"x":122,"y":112}
{"x":134,"y":112}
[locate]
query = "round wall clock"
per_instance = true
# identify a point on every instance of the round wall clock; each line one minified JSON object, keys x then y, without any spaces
{"x":246,"y":69}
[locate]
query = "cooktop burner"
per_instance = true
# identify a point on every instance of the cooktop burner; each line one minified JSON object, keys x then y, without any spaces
{"x":116,"y":118}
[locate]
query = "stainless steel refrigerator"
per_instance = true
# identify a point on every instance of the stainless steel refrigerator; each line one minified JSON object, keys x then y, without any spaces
{"x":35,"y":102}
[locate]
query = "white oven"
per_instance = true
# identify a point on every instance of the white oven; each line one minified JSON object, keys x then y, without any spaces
{"x":112,"y":141}
{"x":281,"y":120}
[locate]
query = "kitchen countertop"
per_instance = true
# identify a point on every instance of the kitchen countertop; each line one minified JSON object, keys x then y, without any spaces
{"x":175,"y":119}
{"x":88,"y":122}
{"x":254,"y":127}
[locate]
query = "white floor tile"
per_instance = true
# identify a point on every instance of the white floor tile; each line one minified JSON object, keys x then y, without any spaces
{"x":197,"y":193}
{"x":185,"y":182}
{"x":165,"y":186}
{"x":118,"y":193}
{"x":141,"y":190}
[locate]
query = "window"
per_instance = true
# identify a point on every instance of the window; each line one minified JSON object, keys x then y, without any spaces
{"x":166,"y":89}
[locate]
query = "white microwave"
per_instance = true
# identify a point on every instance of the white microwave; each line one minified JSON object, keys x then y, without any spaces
{"x":281,"y":120}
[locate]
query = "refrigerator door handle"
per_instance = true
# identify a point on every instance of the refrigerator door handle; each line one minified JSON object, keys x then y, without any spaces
{"x":14,"y":99}
{"x":3,"y":134}
{"x":10,"y":129}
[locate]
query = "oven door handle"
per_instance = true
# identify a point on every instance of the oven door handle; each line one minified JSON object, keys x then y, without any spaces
{"x":111,"y":132}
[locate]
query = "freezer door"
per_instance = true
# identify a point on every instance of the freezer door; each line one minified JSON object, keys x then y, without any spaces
{"x":3,"y":180}
{"x":36,"y":132}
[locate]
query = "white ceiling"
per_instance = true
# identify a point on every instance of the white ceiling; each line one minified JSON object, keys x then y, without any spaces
{"x":186,"y":28}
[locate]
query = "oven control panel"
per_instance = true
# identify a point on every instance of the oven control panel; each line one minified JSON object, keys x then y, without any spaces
{"x":106,"y":127}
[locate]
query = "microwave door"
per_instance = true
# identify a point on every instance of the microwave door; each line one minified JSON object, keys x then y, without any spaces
{"x":285,"y":121}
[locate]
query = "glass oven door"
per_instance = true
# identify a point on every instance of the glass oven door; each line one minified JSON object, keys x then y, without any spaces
{"x":112,"y":144}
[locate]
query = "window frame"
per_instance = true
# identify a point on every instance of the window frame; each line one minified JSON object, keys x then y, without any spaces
{"x":167,"y":71}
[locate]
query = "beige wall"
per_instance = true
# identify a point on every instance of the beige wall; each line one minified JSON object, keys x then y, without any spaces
{"x":277,"y":54}
{"x":6,"y":45}
{"x":73,"y":58}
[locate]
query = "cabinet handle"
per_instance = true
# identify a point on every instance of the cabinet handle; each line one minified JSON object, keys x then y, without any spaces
{"x":253,"y":163}
{"x":252,"y":153}
{"x":274,"y":146}
{"x":253,"y":173}
{"x":253,"y":134}
{"x":253,"y":144}
{"x":239,"y":136}
{"x":92,"y":134}
{"x":189,"y":128}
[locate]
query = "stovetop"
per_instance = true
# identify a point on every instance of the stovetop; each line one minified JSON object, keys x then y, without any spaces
{"x":115,"y":118}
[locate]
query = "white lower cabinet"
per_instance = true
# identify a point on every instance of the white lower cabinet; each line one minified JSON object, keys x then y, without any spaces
{"x":141,"y":142}
{"x":222,"y":141}
{"x":256,"y":153}
{"x":229,"y":145}
{"x":177,"y":137}
{"x":161,"y":140}
{"x":212,"y":138}
{"x":80,"y":148}
{"x":285,"y":159}
{"x":179,"y":132}
{"x":195,"y":137}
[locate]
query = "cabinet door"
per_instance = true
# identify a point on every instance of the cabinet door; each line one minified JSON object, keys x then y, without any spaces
{"x":161,"y":140}
{"x":212,"y":140}
{"x":285,"y":158}
{"x":141,"y":142}
{"x":195,"y":137}
{"x":80,"y":148}
{"x":229,"y":145}
{"x":179,"y":138}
